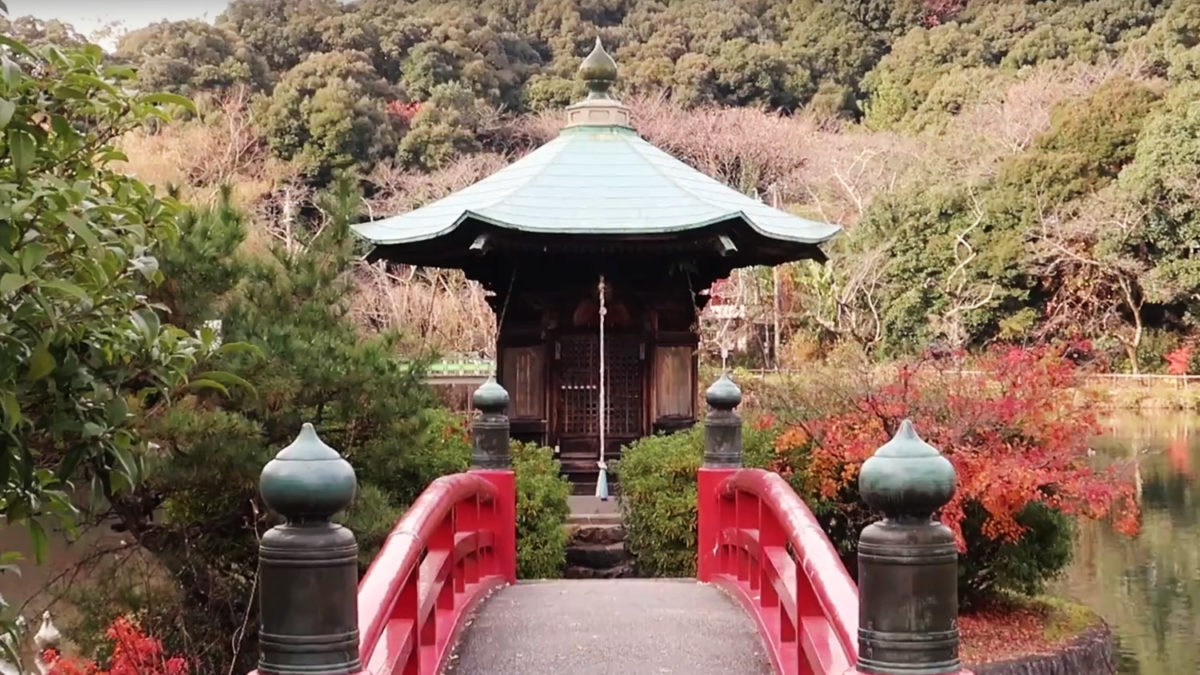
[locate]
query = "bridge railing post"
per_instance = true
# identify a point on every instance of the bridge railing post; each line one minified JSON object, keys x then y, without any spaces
{"x":308,"y":566}
{"x":907,"y":562}
{"x":722,"y":457}
{"x":490,"y":457}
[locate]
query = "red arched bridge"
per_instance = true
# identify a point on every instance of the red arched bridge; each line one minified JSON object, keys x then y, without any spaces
{"x":771,"y":593}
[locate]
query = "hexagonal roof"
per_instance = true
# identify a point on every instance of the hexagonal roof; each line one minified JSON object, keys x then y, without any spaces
{"x":597,"y":183}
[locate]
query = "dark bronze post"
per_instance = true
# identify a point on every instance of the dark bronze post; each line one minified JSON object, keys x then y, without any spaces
{"x":722,"y":459}
{"x":489,"y":431}
{"x":491,"y":459}
{"x":722,"y":426}
{"x":907,"y":562}
{"x":308,"y":566}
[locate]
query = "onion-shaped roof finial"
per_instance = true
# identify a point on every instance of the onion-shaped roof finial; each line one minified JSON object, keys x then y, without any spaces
{"x":490,"y":397}
{"x":598,"y":71}
{"x":723,"y":394}
{"x":307,"y":480}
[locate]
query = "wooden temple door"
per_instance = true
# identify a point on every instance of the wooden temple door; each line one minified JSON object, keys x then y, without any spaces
{"x":578,"y":400}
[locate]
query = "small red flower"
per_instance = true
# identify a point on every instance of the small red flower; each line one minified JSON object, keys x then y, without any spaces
{"x":133,"y":653}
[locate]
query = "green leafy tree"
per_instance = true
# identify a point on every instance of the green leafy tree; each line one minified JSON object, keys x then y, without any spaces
{"x":315,"y":366}
{"x":1163,"y":181}
{"x":447,"y":126}
{"x":483,"y":52}
{"x":283,"y":32}
{"x":1088,"y":144}
{"x":87,"y":361}
{"x":330,"y":112}
{"x":991,"y":35}
{"x":189,"y":56}
{"x":836,"y":52}
{"x":197,"y":512}
{"x":1169,"y":42}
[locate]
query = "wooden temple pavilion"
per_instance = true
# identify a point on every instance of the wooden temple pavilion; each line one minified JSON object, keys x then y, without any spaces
{"x":596,"y":208}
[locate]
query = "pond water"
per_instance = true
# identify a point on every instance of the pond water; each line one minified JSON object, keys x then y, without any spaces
{"x":1148,"y":587}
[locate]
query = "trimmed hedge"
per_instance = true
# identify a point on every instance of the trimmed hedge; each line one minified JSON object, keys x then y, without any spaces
{"x":658,"y":499}
{"x":658,"y":496}
{"x":541,"y":512}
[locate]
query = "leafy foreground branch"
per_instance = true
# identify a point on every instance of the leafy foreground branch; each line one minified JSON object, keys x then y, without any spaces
{"x":86,"y":361}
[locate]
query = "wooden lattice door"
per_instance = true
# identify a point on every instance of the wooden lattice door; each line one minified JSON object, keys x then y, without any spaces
{"x":579,"y":392}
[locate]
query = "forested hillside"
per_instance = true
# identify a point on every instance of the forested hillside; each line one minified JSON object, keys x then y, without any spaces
{"x":1006,"y":171}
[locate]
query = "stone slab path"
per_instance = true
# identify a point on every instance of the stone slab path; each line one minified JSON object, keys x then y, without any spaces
{"x":610,"y":627}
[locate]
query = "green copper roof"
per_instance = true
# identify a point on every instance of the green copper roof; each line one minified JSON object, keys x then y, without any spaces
{"x":597,"y":180}
{"x":596,"y":184}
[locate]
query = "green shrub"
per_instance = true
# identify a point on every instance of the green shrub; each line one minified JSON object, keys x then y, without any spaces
{"x":445,"y":448}
{"x":1022,"y":566}
{"x":442,"y":447}
{"x":541,"y":512}
{"x":658,"y":498}
{"x":372,"y":517}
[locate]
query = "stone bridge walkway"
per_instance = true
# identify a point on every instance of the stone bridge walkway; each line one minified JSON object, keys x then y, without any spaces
{"x":608,"y":627}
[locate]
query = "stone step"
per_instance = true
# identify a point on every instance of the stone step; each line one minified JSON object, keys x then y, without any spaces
{"x":605,"y":533}
{"x":588,"y":510}
{"x":599,"y":519}
{"x":596,"y":541}
{"x":597,"y":556}
{"x":619,"y":571}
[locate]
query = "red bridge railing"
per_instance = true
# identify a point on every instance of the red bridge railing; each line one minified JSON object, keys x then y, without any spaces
{"x":757,"y":539}
{"x":761,"y":543}
{"x":453,"y":546}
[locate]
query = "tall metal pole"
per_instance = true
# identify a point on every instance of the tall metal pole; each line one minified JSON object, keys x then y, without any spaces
{"x":775,"y":306}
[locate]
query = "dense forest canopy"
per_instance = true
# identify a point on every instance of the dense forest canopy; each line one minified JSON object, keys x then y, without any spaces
{"x":1006,"y":170}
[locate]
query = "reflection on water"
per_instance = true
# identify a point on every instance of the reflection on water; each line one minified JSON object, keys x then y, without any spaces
{"x":1148,"y":588}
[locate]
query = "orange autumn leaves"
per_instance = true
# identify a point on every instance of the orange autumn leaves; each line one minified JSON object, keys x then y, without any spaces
{"x":1014,"y":426}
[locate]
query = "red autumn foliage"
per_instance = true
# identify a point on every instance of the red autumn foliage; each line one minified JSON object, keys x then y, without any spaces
{"x":1012,"y":427}
{"x":404,"y":110}
{"x":133,"y":653}
{"x":1179,"y":360}
{"x":938,"y":12}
